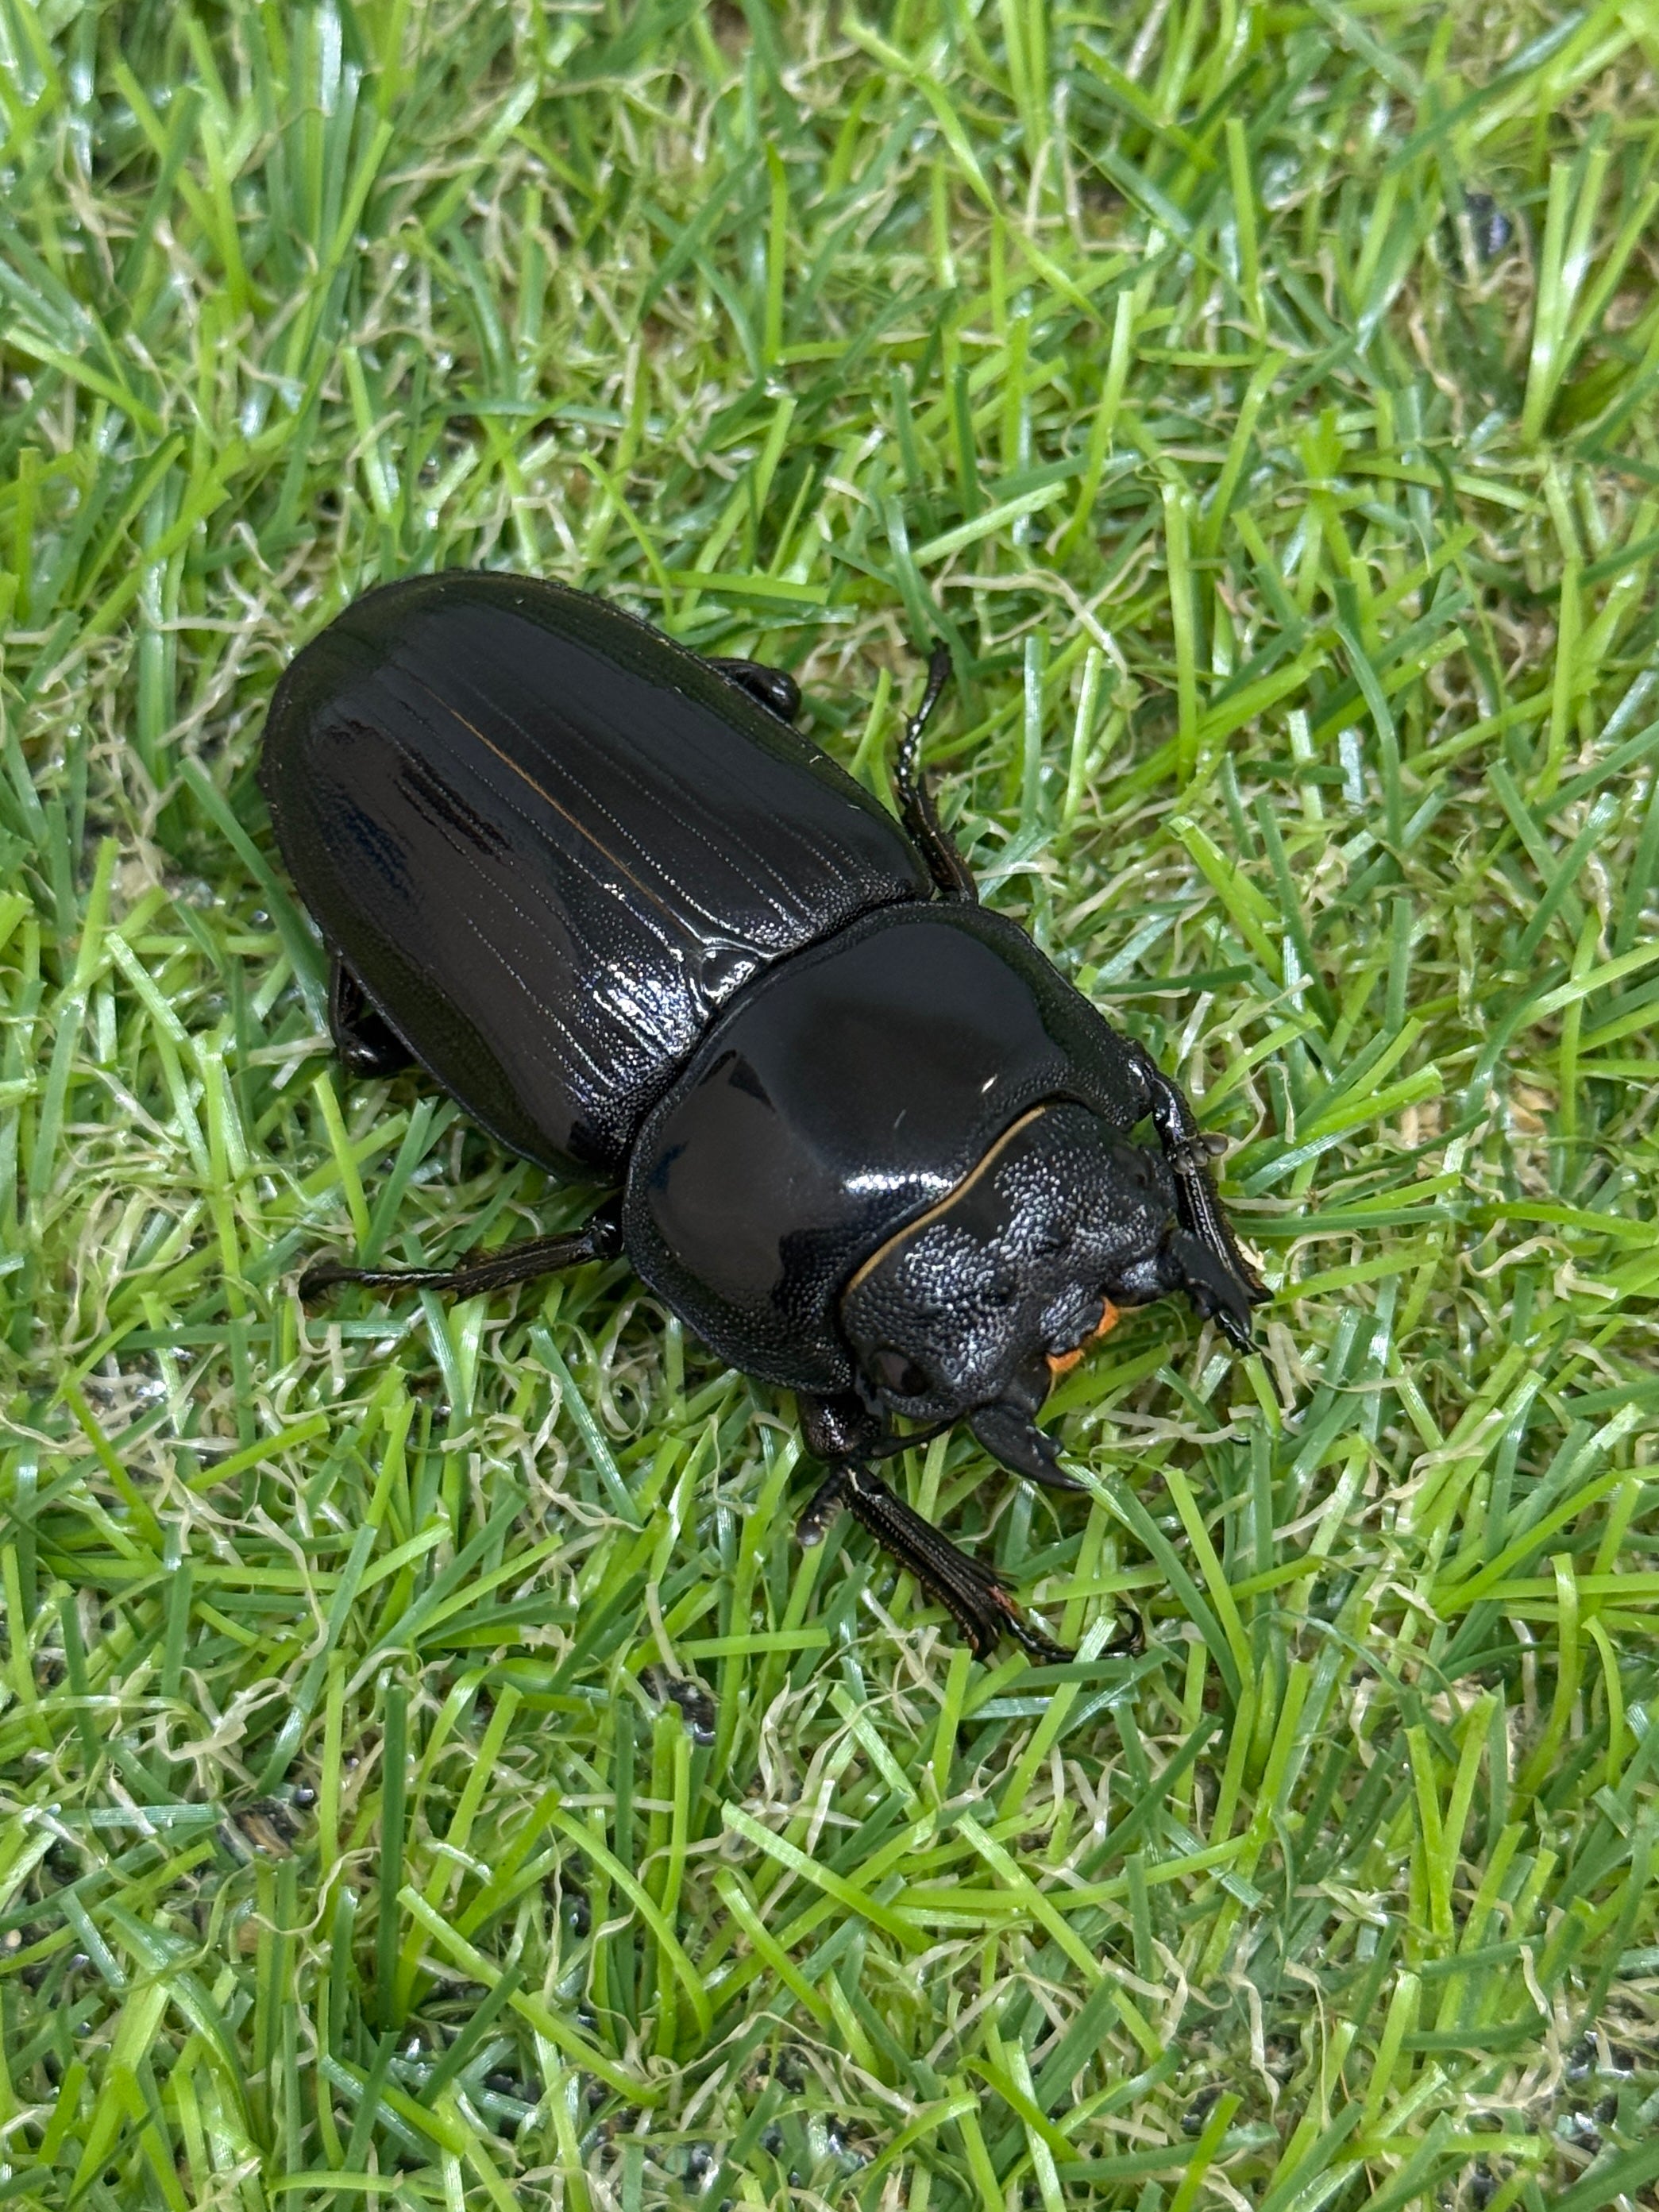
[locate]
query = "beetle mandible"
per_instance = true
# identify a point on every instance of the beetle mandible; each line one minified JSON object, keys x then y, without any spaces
{"x":867,"y":1142}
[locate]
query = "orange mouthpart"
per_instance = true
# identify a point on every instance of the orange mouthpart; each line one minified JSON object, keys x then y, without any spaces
{"x":1061,"y":1363}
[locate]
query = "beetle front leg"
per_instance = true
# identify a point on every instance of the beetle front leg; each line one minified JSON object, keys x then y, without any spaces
{"x":973,"y":1595}
{"x":1188,"y":1152}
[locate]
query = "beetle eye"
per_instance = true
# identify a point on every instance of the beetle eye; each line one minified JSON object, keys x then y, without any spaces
{"x":898,"y":1374}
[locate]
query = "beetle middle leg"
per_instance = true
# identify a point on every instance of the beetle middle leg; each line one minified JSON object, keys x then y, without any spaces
{"x":973,"y":1595}
{"x":914,"y":791}
{"x":597,"y":1239}
{"x":773,"y":687}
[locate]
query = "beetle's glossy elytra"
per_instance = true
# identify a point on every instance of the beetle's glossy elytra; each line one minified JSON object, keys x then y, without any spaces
{"x":551,"y":845}
{"x":871,"y":1145}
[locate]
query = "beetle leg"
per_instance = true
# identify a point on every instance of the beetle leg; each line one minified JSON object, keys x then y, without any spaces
{"x":916,"y":793}
{"x":1188,"y":1153}
{"x":1131,"y":1639}
{"x":597,"y":1239}
{"x":364,"y":1040}
{"x":972,"y":1594}
{"x":844,"y":1427}
{"x":773,"y":687}
{"x":838,"y":1428}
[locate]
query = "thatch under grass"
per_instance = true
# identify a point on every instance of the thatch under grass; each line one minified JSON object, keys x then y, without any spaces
{"x":1264,"y":401}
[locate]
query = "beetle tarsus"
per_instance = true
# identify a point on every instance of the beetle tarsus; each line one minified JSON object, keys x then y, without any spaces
{"x":915,"y":793}
{"x":1036,"y":1646}
{"x":973,"y":1595}
{"x":497,"y":1271}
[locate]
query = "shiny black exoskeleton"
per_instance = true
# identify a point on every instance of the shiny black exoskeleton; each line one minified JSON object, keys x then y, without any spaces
{"x":869,"y":1144}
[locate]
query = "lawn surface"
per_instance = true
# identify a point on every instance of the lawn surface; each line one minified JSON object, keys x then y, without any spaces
{"x":1263,"y":401}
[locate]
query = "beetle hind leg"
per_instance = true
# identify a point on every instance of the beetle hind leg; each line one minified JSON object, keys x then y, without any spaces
{"x":597,"y":1239}
{"x":971,"y":1593}
{"x":365,"y":1042}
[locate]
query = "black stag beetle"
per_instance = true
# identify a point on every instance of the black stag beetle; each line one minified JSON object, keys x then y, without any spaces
{"x":869,"y":1144}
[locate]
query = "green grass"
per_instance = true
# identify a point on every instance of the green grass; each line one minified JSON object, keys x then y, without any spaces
{"x":1300,"y":557}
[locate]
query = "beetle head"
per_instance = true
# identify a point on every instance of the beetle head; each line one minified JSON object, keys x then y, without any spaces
{"x":973,"y":1310}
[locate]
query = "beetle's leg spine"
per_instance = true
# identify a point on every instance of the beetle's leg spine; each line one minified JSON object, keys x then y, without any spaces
{"x":915,"y":795}
{"x":958,"y":1583}
{"x":597,"y":1239}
